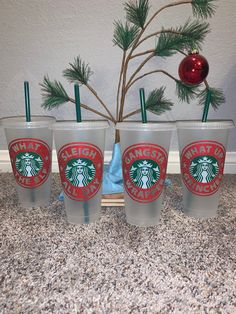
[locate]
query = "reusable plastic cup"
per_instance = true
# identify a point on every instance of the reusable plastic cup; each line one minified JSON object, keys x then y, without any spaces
{"x":202,"y":147}
{"x":145,"y":148}
{"x":80,"y":149}
{"x":30,"y":150}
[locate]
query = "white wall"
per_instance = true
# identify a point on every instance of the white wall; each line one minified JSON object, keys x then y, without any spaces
{"x":39,"y":37}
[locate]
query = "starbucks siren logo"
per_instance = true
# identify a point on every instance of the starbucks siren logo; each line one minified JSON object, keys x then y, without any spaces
{"x":28,"y":164}
{"x":31,"y":161}
{"x":145,"y":173}
{"x":81,"y":168}
{"x":144,"y":170}
{"x":202,"y":165}
{"x":80,"y":172}
{"x":204,"y":169}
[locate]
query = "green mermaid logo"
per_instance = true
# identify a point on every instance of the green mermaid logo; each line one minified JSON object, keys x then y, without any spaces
{"x":80,"y":172}
{"x":28,"y":164}
{"x":144,"y":173}
{"x":204,"y":169}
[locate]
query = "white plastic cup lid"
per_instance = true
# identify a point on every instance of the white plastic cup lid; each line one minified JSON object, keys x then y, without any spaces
{"x":150,"y":126}
{"x":212,"y":124}
{"x":84,"y":125}
{"x":19,"y":122}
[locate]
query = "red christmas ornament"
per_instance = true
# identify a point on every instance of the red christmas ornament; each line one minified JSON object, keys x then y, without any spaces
{"x":193,"y":69}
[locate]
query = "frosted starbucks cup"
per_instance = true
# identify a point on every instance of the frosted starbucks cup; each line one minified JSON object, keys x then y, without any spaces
{"x":145,"y":149}
{"x":202,"y":147}
{"x":30,"y":150}
{"x":80,"y":150}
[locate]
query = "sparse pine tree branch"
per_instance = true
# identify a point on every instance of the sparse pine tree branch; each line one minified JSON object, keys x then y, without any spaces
{"x":157,"y":13}
{"x":124,"y":35}
{"x":194,"y":33}
{"x":123,"y":94}
{"x":119,"y":85}
{"x":78,"y":71}
{"x":136,"y":41}
{"x":142,"y":53}
{"x":190,"y":36}
{"x":206,"y":84}
{"x":137,"y":12}
{"x":101,"y":102}
{"x":186,"y":92}
{"x":152,"y":54}
{"x":93,"y":110}
{"x":152,"y":35}
{"x":145,"y":27}
{"x":200,"y":8}
{"x":149,"y":73}
{"x":203,"y":8}
{"x":216,"y":95}
{"x":124,"y":85}
{"x":131,"y":114}
{"x":183,"y":53}
{"x":210,"y":97}
{"x":55,"y":95}
{"x":156,"y":103}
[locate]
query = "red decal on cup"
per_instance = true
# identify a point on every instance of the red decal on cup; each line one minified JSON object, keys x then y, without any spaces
{"x":81,"y":168}
{"x":31,"y":161}
{"x":144,"y":171}
{"x":202,"y":167}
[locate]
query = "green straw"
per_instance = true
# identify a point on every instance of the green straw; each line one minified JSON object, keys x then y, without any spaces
{"x":86,"y":212}
{"x":28,"y":119}
{"x":77,"y":103}
{"x":206,"y":107}
{"x":79,"y":119}
{"x":27,"y":101}
{"x":143,"y":105}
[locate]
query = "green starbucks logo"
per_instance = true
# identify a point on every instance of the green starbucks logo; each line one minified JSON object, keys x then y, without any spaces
{"x":144,"y":170}
{"x":81,"y":169}
{"x":31,"y":161}
{"x":28,"y":164}
{"x":144,"y":173}
{"x":204,"y":169}
{"x":80,"y":172}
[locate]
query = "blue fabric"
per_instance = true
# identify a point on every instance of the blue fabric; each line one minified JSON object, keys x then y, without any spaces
{"x":112,"y":175}
{"x":167,"y":182}
{"x":61,"y":196}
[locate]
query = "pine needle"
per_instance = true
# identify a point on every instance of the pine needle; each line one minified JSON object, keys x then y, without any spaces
{"x":53,"y":94}
{"x":137,"y":12}
{"x":195,"y":33}
{"x":203,"y":8}
{"x":190,"y":36}
{"x":79,"y":71}
{"x":124,"y":35}
{"x":186,"y":92}
{"x":157,"y":103}
{"x":217,"y":97}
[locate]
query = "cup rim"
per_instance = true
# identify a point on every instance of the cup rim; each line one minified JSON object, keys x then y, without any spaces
{"x":18,"y":122}
{"x":212,"y":124}
{"x":84,"y":125}
{"x":150,"y":126}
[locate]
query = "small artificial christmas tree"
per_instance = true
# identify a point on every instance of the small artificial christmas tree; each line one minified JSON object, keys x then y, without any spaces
{"x":129,"y":37}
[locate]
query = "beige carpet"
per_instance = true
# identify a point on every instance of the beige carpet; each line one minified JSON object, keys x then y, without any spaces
{"x":181,"y":266}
